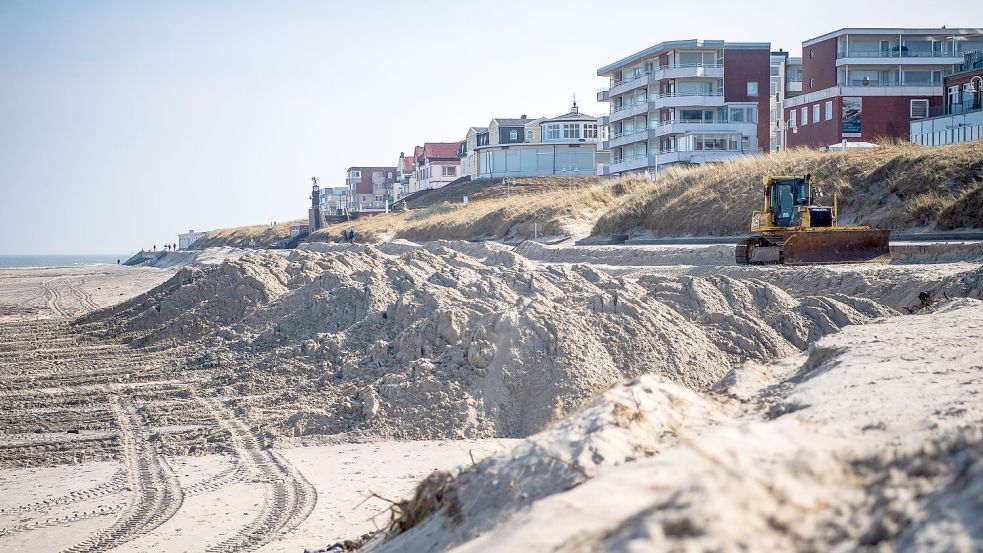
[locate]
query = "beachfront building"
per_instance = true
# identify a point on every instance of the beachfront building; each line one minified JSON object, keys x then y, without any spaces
{"x":860,"y":85}
{"x":961,"y":118}
{"x":370,"y":189}
{"x":185,"y":240}
{"x":526,"y":147}
{"x":685,"y":102}
{"x":334,"y":201}
{"x":437,"y":165}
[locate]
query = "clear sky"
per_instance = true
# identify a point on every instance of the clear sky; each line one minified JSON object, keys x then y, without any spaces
{"x":124,"y":123}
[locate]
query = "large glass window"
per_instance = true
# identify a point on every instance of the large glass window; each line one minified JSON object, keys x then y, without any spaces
{"x":553,"y":131}
{"x":590,"y":130}
{"x":571,"y":130}
{"x":752,"y":88}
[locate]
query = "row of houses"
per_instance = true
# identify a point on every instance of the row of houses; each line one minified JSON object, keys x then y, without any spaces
{"x":700,"y":101}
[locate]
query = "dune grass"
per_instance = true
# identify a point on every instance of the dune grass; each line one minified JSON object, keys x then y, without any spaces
{"x":543,"y":209}
{"x":257,"y":236}
{"x":894,"y":186}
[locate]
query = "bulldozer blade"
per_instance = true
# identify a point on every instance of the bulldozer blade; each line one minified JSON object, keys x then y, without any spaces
{"x":837,"y":246}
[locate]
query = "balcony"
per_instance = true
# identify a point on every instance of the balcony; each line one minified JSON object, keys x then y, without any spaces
{"x":637,"y":135}
{"x":701,"y":156}
{"x":690,"y":70}
{"x":630,"y":110}
{"x":630,"y":163}
{"x":717,"y":125}
{"x":685,"y":100}
{"x":603,"y":95}
{"x":646,"y":78}
{"x":893,"y":57}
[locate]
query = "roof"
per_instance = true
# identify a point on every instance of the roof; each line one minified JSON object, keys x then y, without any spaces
{"x":506,"y":122}
{"x":673,"y":44}
{"x":407,"y":163}
{"x":441,"y":150}
{"x":899,"y":31}
{"x":572,"y":116}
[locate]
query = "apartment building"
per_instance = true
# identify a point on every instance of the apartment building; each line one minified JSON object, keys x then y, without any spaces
{"x":437,"y":165}
{"x":686,"y":101}
{"x":961,"y":119}
{"x":334,"y":201}
{"x":785,"y":82}
{"x":865,"y":84}
{"x":543,"y":146}
{"x":370,"y":188}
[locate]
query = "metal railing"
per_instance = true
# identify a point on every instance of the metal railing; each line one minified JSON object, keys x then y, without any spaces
{"x":894,"y":53}
{"x":644,"y":74}
{"x":954,"y":109}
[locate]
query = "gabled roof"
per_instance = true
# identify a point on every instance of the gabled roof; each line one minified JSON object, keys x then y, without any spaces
{"x":440,"y":150}
{"x":407,"y":164}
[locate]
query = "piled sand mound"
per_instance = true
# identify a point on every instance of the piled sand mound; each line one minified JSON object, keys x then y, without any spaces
{"x":812,"y":466}
{"x":433,"y":343}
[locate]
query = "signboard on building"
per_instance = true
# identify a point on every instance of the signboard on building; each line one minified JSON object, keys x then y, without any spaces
{"x":852,"y":115}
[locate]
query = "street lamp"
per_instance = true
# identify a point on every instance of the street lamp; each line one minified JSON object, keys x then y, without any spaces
{"x":569,"y":170}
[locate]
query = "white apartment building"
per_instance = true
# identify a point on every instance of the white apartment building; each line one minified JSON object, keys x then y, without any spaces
{"x":687,"y":101}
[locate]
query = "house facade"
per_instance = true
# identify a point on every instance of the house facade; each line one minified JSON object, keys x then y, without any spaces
{"x":961,"y":119}
{"x":687,"y":101}
{"x":469,"y":159}
{"x":524,"y":147}
{"x":184,"y":240}
{"x":405,"y":176}
{"x":370,"y":189}
{"x":437,"y":165}
{"x":860,"y":85}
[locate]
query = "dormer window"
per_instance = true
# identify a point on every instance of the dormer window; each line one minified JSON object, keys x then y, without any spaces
{"x":528,"y":136}
{"x":513,"y":135}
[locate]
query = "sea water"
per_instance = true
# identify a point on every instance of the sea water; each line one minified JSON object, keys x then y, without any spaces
{"x":59,"y":260}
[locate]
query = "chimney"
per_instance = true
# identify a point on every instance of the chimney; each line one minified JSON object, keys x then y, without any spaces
{"x":523,"y":116}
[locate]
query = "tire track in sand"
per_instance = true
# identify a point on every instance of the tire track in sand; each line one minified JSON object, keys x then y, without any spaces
{"x":288,"y":498}
{"x":155,"y":492}
{"x":52,"y":298}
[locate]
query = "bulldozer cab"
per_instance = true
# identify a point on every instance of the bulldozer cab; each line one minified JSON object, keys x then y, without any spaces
{"x":785,"y":195}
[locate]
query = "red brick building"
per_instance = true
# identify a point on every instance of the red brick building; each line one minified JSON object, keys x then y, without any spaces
{"x":866,"y":84}
{"x":370,"y":188}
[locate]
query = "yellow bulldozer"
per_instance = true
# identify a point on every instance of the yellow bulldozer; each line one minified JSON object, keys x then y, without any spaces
{"x":792,"y":229}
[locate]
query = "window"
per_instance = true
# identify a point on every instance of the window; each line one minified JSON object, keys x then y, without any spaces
{"x":355,"y":174}
{"x":773,"y":116}
{"x":571,"y":130}
{"x":805,"y":116}
{"x":815,"y":113}
{"x":449,"y":171}
{"x":774,"y":71}
{"x":590,"y":130}
{"x":528,"y":136}
{"x":812,"y":83}
{"x":919,"y":109}
{"x":774,"y":88}
{"x":553,"y":132}
{"x":389,"y":175}
{"x":752,"y":88}
{"x":791,"y":118}
{"x":513,"y":135}
{"x":829,"y":110}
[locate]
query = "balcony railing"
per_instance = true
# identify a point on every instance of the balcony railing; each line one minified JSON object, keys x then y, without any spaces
{"x":885,"y":84}
{"x":645,"y":74}
{"x":954,"y":109}
{"x":895,"y":54}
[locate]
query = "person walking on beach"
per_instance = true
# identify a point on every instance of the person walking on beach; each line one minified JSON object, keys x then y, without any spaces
{"x":117,"y":261}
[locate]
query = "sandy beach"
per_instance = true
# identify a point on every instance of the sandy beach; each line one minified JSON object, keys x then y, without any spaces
{"x":499,"y":397}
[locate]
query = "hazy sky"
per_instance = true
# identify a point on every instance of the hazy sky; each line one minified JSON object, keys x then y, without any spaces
{"x":124,"y":123}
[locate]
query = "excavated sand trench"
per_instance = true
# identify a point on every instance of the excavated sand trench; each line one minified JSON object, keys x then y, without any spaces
{"x":458,"y":341}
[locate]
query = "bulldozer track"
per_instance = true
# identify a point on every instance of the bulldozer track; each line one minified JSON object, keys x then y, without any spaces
{"x":85,"y":298}
{"x":288,"y":497}
{"x":100,"y":511}
{"x":155,"y":494}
